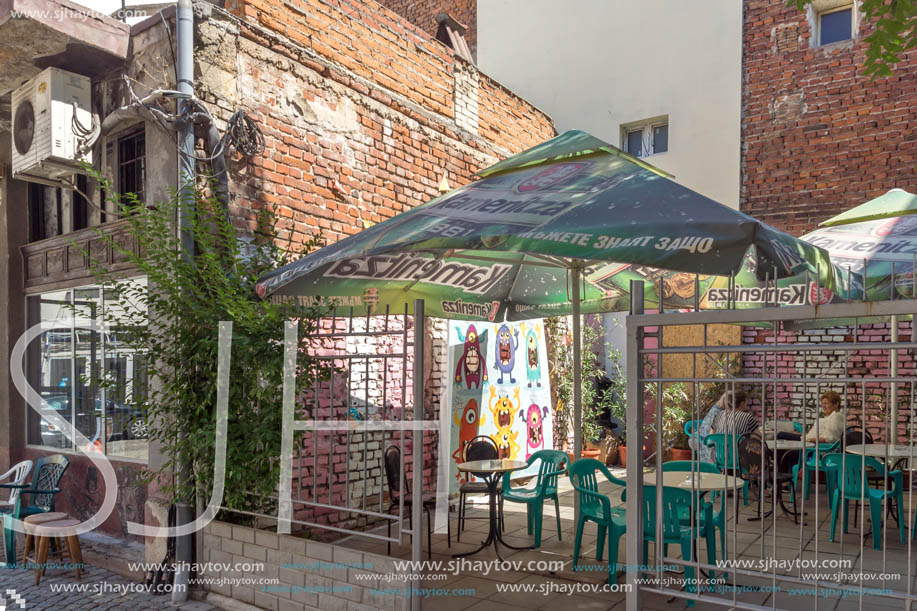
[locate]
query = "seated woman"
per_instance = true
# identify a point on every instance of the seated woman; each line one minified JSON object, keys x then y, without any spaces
{"x":738,"y":421}
{"x":831,"y":426}
{"x":705,"y":452}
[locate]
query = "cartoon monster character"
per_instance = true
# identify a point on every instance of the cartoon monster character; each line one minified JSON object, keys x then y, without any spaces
{"x":534,"y":431}
{"x":505,"y":352}
{"x":469,"y":422}
{"x":472,"y":360}
{"x":507,"y":446}
{"x":503,"y":410}
{"x":532,"y":363}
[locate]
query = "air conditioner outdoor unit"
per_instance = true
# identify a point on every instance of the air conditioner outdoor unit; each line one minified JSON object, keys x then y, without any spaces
{"x":44,"y":145}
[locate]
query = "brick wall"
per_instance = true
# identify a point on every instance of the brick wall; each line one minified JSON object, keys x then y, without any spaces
{"x":872,"y":361}
{"x":363,"y":115}
{"x":422,"y":13}
{"x":818,"y":137}
{"x":318,"y":568}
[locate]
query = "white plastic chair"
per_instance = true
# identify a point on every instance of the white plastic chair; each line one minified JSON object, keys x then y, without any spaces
{"x":17,"y":476}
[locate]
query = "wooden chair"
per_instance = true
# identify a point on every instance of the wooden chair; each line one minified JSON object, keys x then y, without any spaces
{"x":45,"y":528}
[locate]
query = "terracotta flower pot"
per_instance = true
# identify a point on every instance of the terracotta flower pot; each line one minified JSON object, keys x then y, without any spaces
{"x":591,"y":453}
{"x":680,"y":454}
{"x":622,"y":454}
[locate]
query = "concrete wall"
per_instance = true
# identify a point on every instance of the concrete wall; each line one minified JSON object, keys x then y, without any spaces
{"x":290,"y":560}
{"x":598,"y":64}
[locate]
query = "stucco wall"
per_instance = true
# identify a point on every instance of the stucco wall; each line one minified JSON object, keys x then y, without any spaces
{"x":598,"y":64}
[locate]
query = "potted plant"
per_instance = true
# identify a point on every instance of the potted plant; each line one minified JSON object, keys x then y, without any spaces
{"x":675,"y":412}
{"x":596,"y":402}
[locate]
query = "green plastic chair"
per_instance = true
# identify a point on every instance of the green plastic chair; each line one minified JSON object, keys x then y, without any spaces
{"x":553,"y":463}
{"x":719,"y":516}
{"x":676,"y":504}
{"x":724,"y":456}
{"x":809,"y":465}
{"x":850,"y":484}
{"x":596,"y":507}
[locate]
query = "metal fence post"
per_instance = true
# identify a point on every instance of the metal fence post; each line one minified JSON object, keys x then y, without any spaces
{"x":634,"y":426}
{"x":417,"y":454}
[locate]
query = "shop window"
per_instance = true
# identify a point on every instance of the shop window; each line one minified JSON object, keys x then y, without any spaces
{"x":66,"y":363}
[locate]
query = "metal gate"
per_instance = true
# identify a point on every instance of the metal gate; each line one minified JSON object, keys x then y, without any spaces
{"x":788,"y":358}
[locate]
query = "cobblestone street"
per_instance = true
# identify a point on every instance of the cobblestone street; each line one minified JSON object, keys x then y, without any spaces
{"x":99,"y":589}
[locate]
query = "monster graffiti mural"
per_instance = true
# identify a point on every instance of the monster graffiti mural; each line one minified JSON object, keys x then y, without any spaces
{"x":534,"y":428}
{"x":505,"y":352}
{"x":469,"y":422}
{"x":503,"y":411}
{"x":471,"y":363}
{"x":532,"y":362}
{"x":519,"y":426}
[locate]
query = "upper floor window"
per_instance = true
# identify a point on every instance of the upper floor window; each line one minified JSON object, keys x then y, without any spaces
{"x":132,"y":165}
{"x":645,"y":138}
{"x":835,"y":24}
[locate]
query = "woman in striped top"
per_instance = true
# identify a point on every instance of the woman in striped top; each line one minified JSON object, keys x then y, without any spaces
{"x":736,"y":421}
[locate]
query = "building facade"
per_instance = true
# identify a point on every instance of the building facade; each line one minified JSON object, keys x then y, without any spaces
{"x":363,"y":116}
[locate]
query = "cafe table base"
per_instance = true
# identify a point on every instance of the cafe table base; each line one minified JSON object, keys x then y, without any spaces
{"x":493,"y":536}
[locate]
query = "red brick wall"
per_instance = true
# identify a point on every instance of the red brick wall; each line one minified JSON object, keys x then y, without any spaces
{"x":818,"y":136}
{"x":363,"y":114}
{"x":352,"y":96}
{"x":422,"y":13}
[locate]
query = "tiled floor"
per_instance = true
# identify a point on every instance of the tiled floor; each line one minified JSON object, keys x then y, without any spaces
{"x":746,"y":541}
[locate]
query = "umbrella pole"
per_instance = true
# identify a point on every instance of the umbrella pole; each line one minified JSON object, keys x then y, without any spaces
{"x":893,"y":357}
{"x":575,"y":273}
{"x":577,"y":377}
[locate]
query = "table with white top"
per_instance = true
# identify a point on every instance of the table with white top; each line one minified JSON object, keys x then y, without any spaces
{"x":491,"y":471}
{"x":901,"y":455}
{"x":692,"y":480}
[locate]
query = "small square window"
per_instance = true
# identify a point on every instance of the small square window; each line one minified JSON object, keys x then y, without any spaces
{"x":835,"y":26}
{"x":644,"y":138}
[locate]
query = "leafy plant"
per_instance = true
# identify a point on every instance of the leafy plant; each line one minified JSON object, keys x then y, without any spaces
{"x":676,"y":410}
{"x":595,"y":402}
{"x":174,"y":322}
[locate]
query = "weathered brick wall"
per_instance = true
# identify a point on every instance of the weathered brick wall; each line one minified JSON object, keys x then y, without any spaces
{"x":872,"y":361}
{"x":818,"y":136}
{"x":363,"y":115}
{"x":314,"y":575}
{"x":422,"y":13}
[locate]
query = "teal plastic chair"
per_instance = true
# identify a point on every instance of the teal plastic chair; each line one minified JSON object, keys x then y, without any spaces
{"x":553,"y":463}
{"x":596,"y":507}
{"x":724,"y":456}
{"x":719,"y":515}
{"x":850,"y":484}
{"x":691,"y":427}
{"x":808,"y":464}
{"x":45,"y":485}
{"x":676,"y":504}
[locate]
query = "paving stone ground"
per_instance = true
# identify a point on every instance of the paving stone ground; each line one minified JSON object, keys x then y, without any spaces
{"x":102,"y":590}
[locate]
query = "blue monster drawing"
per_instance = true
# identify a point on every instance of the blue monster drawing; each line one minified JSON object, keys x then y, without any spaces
{"x":505,"y":352}
{"x":532,"y":363}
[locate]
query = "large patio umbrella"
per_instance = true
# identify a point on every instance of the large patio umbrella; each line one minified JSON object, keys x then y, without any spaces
{"x":536,"y":227}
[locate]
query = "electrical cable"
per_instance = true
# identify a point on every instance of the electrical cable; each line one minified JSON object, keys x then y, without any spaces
{"x":244,"y":134}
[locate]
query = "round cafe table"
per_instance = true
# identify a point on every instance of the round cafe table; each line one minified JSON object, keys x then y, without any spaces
{"x":491,"y":471}
{"x":898,"y":454}
{"x":687,"y":480}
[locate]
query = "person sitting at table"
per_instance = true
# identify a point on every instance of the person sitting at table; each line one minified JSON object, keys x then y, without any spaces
{"x":831,"y":426}
{"x":737,"y":421}
{"x":705,"y":452}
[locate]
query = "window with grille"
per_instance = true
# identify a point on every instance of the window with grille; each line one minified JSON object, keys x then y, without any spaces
{"x":132,"y":167}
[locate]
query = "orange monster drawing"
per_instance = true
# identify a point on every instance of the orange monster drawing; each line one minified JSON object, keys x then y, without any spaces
{"x":469,"y":422}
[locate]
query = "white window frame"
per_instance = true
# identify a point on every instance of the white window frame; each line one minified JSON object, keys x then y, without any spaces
{"x":646,"y":126}
{"x":820,"y":8}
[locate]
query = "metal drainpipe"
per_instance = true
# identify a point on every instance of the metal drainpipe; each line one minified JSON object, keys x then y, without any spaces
{"x":186,"y":170}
